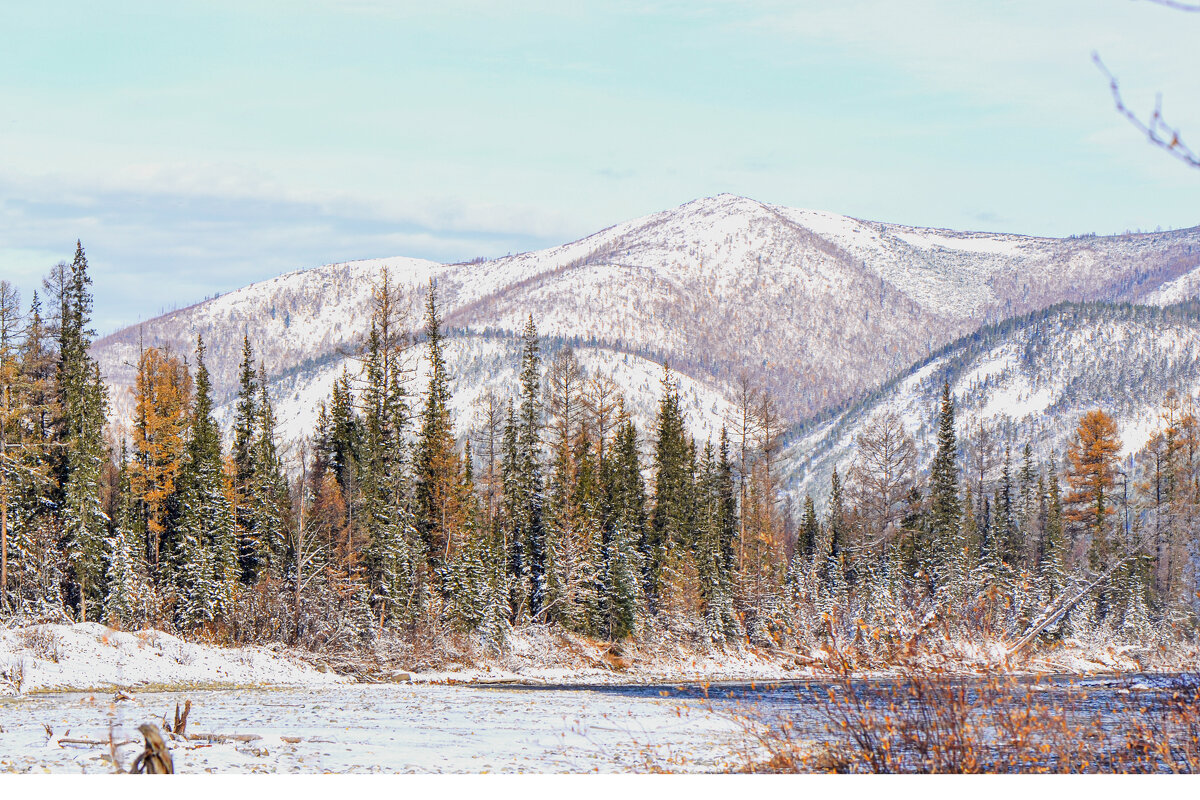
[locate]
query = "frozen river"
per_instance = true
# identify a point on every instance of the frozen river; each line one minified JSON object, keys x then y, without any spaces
{"x":382,"y":728}
{"x":440,"y":728}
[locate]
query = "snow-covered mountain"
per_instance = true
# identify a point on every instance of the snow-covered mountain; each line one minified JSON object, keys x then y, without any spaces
{"x":817,"y":307}
{"x":1028,"y":379}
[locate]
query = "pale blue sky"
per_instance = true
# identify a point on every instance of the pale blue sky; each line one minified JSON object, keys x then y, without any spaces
{"x":197,"y":146}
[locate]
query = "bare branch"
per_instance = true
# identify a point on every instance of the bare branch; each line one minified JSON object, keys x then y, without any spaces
{"x":1175,"y":4}
{"x":1155,"y":128}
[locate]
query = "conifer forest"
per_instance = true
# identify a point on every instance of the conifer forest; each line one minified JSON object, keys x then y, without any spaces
{"x":382,"y":528}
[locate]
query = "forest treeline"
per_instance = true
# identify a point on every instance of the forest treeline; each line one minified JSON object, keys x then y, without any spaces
{"x":555,"y":509}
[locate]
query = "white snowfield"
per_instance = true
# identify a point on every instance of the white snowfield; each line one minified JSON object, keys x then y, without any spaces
{"x":379,"y":729}
{"x":88,"y":655}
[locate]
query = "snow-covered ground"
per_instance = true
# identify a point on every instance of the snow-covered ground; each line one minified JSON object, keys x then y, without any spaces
{"x":378,"y":728}
{"x":538,"y":654}
{"x":47,"y":658}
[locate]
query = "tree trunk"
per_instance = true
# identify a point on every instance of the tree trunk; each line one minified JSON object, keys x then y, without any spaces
{"x":3,"y":535}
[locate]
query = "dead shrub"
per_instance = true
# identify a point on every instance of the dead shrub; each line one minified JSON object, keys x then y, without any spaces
{"x":40,"y":641}
{"x":926,"y":721}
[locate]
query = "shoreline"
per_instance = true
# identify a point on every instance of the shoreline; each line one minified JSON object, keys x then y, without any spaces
{"x":90,"y":658}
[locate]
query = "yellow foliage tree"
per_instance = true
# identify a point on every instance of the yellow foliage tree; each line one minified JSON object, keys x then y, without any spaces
{"x":162,"y":397}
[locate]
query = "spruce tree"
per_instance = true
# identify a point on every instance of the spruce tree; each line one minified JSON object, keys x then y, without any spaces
{"x":207,"y":563}
{"x":245,"y":433}
{"x":671,"y":530}
{"x":1008,"y":538}
{"x":582,"y":553}
{"x":269,"y":509}
{"x":625,"y":529}
{"x":810,"y":530}
{"x":530,"y":531}
{"x":82,"y":404}
{"x":395,"y":557}
{"x":945,"y":509}
{"x":127,"y":603}
{"x":1051,"y":566}
{"x":709,"y":551}
{"x":440,"y":501}
{"x":513,"y":519}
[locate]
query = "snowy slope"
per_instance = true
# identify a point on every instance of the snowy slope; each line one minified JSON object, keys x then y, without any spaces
{"x":479,"y":364}
{"x":89,"y":656}
{"x":1029,"y":379}
{"x":817,"y":307}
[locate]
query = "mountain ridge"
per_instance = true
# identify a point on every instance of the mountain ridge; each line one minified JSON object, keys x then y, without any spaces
{"x":818,"y":308}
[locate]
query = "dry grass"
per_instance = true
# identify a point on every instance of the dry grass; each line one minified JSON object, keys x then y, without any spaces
{"x":929,"y":722}
{"x":40,"y":641}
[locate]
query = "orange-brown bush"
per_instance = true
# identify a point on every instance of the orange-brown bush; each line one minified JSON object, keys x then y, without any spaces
{"x":930,"y":722}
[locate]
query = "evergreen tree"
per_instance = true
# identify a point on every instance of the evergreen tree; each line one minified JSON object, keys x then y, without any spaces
{"x":128,"y":601}
{"x":727,"y":496}
{"x":440,"y":501}
{"x":1051,"y":566}
{"x":475,"y":599}
{"x":671,"y":523}
{"x":269,"y":500}
{"x":207,"y":567}
{"x":714,"y":579}
{"x":529,"y":531}
{"x":1008,"y":542}
{"x":625,"y":528}
{"x":82,"y":404}
{"x":810,"y":530}
{"x":513,"y":518}
{"x":945,"y":510}
{"x":245,"y":434}
{"x":839,"y":533}
{"x":395,"y":556}
{"x":1027,"y":503}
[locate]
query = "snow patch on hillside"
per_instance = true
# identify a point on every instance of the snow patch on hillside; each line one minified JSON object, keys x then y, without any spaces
{"x":1019,"y":399}
{"x":962,"y":242}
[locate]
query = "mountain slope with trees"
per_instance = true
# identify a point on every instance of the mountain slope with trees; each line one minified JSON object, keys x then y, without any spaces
{"x":1027,"y":379}
{"x":814,"y":307}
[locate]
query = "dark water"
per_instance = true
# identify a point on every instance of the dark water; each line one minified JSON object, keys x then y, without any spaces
{"x":1107,"y":703}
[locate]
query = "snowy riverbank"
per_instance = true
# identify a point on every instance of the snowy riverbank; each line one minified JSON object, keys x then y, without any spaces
{"x":542,"y":655}
{"x":89,"y":656}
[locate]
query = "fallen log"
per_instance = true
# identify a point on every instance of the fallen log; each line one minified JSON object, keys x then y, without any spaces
{"x":95,"y":742}
{"x":221,"y":738}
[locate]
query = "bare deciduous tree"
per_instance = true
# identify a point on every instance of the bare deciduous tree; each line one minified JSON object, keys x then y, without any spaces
{"x":882,"y":475}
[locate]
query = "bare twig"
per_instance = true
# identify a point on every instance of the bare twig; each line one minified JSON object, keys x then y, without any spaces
{"x":1176,"y":5}
{"x":1155,"y":129}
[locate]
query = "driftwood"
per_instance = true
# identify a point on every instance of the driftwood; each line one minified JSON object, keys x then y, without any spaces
{"x":96,"y":742}
{"x":221,"y":738}
{"x":156,"y":758}
{"x":180,"y":726}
